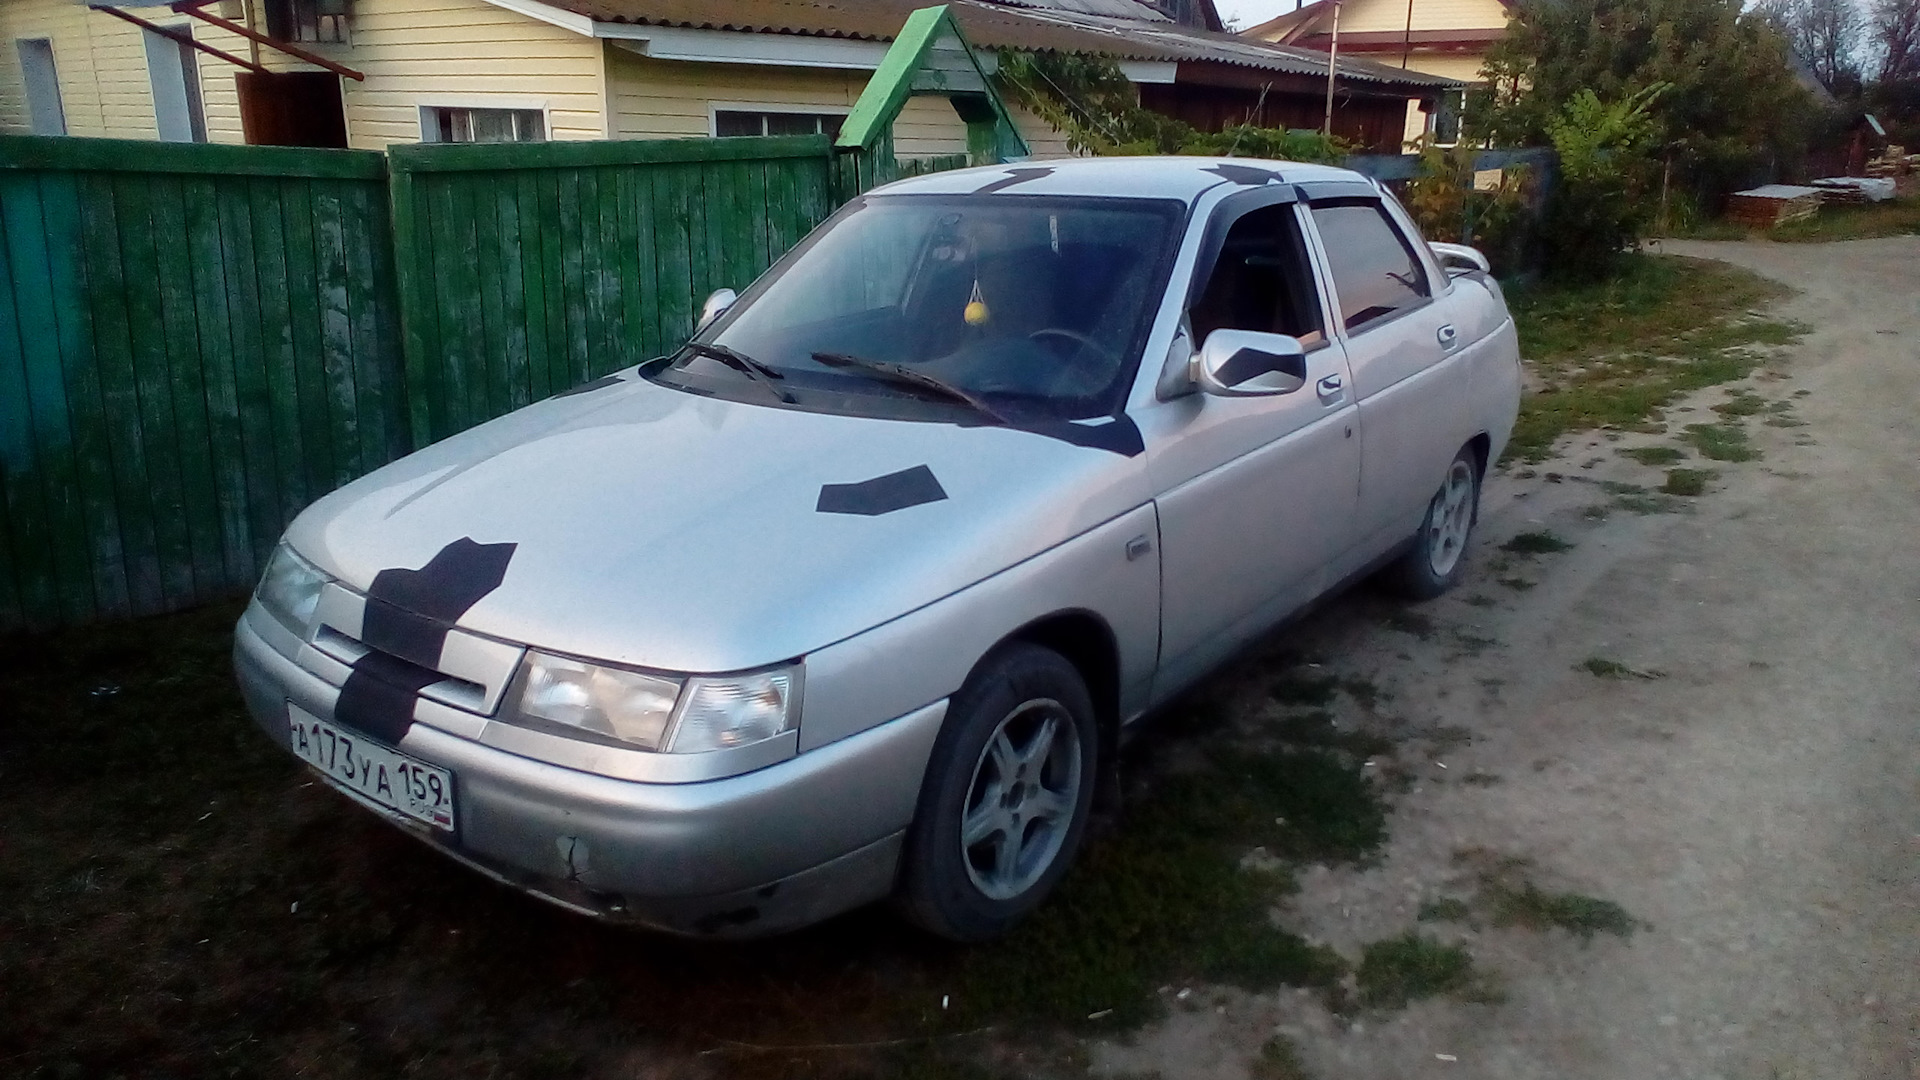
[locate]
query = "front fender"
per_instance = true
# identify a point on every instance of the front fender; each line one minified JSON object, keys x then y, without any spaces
{"x":924,"y":655}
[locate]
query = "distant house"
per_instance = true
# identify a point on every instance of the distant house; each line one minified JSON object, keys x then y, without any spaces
{"x":366,"y":73}
{"x":1439,"y":37}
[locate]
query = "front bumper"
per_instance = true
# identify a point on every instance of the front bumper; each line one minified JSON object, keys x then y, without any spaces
{"x":768,"y":850}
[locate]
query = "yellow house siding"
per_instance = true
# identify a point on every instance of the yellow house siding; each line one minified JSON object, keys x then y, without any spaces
{"x":100,"y":61}
{"x":668,"y":99}
{"x":440,"y":52}
{"x":1464,"y":66}
{"x":1378,"y":16}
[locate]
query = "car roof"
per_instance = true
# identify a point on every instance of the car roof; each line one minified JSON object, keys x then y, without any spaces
{"x":1182,"y":178}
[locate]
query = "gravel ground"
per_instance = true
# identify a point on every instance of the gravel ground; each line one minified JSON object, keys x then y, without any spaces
{"x":1746,"y":787}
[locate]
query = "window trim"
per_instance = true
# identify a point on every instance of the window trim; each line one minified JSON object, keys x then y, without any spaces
{"x":1422,"y":256}
{"x":21,"y":46}
{"x":429,"y":129}
{"x":715,"y":108}
{"x":1225,"y":215}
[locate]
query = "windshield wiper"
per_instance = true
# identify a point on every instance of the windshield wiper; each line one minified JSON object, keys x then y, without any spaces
{"x":901,"y":374}
{"x":745,"y":364}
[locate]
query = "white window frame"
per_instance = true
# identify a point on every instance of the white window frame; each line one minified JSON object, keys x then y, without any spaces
{"x":430,"y":128}
{"x":715,"y":108}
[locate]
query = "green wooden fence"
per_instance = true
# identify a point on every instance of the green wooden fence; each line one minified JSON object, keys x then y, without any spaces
{"x":527,"y":269}
{"x":195,"y":342}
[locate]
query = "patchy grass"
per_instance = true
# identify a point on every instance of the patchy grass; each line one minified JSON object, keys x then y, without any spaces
{"x":1536,"y":909}
{"x":1655,"y":455}
{"x":1741,"y":403}
{"x":1445,"y":909}
{"x":1412,"y":966}
{"x":156,"y":844}
{"x":1612,"y":355}
{"x":1320,"y":729}
{"x":1535,"y":543}
{"x":1304,"y":688}
{"x":1278,"y":1060}
{"x":1517,"y":584}
{"x":1720,"y":442}
{"x":1604,"y":668}
{"x":1687,"y":481}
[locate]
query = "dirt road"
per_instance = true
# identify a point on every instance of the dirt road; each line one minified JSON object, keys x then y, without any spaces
{"x":1746,"y":783}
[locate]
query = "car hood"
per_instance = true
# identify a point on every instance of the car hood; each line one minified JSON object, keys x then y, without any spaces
{"x":664,"y":529}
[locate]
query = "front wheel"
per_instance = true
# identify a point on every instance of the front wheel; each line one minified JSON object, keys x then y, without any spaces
{"x":1432,"y":565}
{"x":1006,"y":796}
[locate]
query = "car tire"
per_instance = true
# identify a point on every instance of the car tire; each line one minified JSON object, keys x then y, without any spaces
{"x":1433,"y":563}
{"x":1006,"y":798}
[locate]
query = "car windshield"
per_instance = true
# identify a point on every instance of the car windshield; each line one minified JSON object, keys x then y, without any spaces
{"x":1003,"y":307}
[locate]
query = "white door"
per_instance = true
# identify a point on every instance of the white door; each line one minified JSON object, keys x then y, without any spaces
{"x":43,"y":87}
{"x":176,"y":88}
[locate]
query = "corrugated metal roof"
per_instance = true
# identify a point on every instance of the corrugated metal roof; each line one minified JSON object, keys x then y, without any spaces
{"x":1119,"y":9}
{"x":997,"y":25}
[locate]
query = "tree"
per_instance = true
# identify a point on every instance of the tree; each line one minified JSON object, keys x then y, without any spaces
{"x":1827,"y":34}
{"x":1894,"y":27}
{"x":1731,"y":109}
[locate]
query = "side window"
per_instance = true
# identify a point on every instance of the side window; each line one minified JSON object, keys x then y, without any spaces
{"x":1261,"y":280}
{"x":1375,"y":272}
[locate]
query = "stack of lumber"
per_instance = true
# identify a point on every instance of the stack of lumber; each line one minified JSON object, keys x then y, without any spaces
{"x":1891,"y":163}
{"x":1773,"y":204}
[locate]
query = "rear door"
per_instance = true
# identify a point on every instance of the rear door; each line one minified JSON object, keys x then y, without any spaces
{"x":1394,"y":315}
{"x":1256,"y":494}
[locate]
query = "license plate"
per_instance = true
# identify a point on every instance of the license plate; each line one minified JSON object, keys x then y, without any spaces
{"x":364,"y":768}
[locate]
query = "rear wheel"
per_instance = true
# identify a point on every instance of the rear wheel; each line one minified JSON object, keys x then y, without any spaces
{"x":1006,"y":797}
{"x":1433,"y":564}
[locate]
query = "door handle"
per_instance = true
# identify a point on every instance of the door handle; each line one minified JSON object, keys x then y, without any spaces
{"x":1330,"y":388}
{"x":1446,"y":334}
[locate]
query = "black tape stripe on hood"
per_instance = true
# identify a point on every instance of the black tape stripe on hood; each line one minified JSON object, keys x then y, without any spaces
{"x":408,"y":615}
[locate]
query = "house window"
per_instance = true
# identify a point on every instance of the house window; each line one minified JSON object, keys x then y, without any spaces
{"x":732,"y":122}
{"x":310,"y":20}
{"x":43,"y":87}
{"x":462,"y":125}
{"x":173,"y":71}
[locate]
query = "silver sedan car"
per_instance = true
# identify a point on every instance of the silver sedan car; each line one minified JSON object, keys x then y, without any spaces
{"x":855,"y":595}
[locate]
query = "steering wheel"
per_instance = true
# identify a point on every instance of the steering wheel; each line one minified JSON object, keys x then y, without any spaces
{"x":1110,"y":359}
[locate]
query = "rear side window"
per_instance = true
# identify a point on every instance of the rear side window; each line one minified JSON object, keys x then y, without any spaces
{"x":1375,"y":273}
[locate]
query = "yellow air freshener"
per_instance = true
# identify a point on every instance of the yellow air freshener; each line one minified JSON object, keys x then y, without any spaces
{"x":976,"y":312}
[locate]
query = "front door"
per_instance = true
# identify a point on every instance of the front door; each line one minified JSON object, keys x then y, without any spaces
{"x":1256,"y":494}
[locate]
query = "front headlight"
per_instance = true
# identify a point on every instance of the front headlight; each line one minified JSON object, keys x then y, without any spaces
{"x":656,"y":712}
{"x":290,"y":590}
{"x":734,"y":710}
{"x":626,"y":705}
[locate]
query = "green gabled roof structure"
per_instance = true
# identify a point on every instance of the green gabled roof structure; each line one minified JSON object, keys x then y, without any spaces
{"x":931,"y":57}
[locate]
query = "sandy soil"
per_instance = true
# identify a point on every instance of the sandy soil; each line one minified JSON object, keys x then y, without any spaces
{"x":1757,"y":805}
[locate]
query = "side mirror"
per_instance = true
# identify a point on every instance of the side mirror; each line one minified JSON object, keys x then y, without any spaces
{"x":1460,"y":257}
{"x":1245,"y":363}
{"x":716,"y":306}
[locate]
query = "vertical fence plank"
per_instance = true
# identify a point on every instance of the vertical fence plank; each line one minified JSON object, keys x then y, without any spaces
{"x":26,"y":510}
{"x":120,"y":393}
{"x":336,"y":333}
{"x":364,"y":242}
{"x":504,"y":212}
{"x":92,"y":438}
{"x":134,"y":198}
{"x":279,"y":380}
{"x":55,"y":468}
{"x":533,"y":283}
{"x":250,"y":375}
{"x":489,"y":316}
{"x":207,"y":271}
{"x":325,"y":449}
